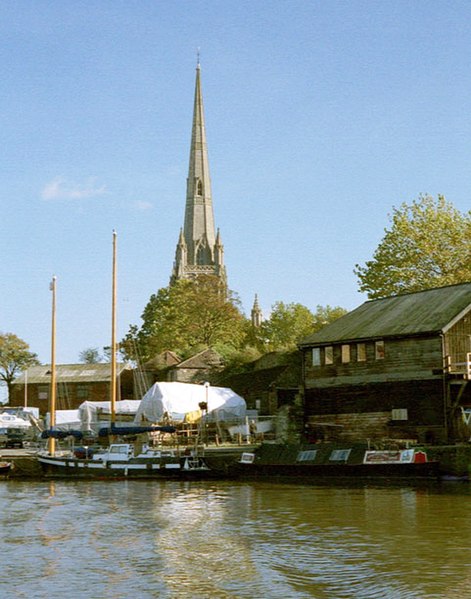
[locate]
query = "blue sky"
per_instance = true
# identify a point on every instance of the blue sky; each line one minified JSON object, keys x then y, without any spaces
{"x":320,"y":117}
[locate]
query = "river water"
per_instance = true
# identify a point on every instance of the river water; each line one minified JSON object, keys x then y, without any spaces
{"x":146,"y":539}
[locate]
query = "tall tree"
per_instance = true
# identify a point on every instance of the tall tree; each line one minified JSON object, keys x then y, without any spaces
{"x":14,"y":358}
{"x":428,"y":245}
{"x":91,"y":355}
{"x":185,"y":315}
{"x":289,"y":323}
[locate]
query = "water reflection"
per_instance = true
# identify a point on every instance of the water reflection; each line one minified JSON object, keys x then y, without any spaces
{"x":225,"y":540}
{"x":198,"y":544}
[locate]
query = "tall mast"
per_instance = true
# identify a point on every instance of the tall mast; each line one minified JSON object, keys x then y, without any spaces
{"x":113,"y":335}
{"x":52,"y":395}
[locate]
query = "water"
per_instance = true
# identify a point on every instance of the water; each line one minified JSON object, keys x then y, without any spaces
{"x":146,"y":539}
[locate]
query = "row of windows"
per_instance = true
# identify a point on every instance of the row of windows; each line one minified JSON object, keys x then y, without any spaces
{"x":81,"y":391}
{"x":348,"y":353}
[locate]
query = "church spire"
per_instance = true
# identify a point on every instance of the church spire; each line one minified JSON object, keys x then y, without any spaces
{"x":256,"y":314}
{"x":203,"y":251}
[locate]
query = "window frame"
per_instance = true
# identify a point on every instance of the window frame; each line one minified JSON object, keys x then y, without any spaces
{"x":361,"y":352}
{"x":328,"y":355}
{"x":316,"y":356}
{"x":346,"y":353}
{"x":380,"y":350}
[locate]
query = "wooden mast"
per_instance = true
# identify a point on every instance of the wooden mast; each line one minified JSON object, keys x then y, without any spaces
{"x":52,"y":394}
{"x":113,"y":336}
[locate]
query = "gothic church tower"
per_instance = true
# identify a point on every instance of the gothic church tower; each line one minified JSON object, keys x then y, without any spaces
{"x":199,"y":249}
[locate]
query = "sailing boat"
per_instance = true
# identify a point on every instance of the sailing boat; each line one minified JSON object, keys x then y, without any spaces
{"x":118,"y":459}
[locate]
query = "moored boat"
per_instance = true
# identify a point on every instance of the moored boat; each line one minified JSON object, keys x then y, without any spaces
{"x":330,"y":461}
{"x":119,"y":460}
{"x":5,"y":468}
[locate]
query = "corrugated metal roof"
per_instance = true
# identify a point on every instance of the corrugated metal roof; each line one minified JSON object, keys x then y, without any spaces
{"x":409,"y":314}
{"x":69,"y":373}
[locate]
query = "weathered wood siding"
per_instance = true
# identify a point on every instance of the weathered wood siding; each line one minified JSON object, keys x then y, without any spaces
{"x":414,"y":358}
{"x":457,"y":342}
{"x":360,"y":396}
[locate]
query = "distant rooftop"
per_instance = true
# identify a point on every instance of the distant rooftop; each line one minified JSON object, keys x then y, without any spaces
{"x":70,"y":373}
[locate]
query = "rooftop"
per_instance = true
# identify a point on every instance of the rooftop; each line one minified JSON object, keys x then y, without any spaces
{"x":423,"y":312}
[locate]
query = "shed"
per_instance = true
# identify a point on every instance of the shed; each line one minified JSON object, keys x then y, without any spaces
{"x":396,"y":367}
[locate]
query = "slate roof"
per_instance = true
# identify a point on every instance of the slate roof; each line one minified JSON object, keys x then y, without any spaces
{"x":204,"y":359}
{"x":285,"y":374}
{"x":69,"y":373}
{"x":162,"y":361}
{"x":422,"y":312}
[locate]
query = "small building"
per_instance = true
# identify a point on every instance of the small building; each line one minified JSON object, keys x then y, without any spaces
{"x":169,"y":367}
{"x":268,"y":383}
{"x":393,"y":368}
{"x":75,"y":383}
{"x":196,"y":369}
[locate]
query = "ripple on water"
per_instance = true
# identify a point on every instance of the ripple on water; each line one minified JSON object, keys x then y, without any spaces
{"x":142,"y":538}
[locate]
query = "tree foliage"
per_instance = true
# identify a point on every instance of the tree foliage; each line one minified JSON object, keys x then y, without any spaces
{"x":186,"y":315}
{"x":15,"y":357}
{"x":90,"y":355}
{"x":289,"y":323}
{"x":428,"y":245}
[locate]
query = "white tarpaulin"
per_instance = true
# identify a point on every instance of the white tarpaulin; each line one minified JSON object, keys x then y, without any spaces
{"x":90,"y":410}
{"x":65,"y":420}
{"x":177,"y":400}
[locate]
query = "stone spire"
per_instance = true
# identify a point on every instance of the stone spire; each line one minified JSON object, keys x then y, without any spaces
{"x":256,"y":314}
{"x":198,"y":251}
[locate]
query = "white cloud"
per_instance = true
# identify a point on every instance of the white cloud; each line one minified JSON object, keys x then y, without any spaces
{"x":61,"y":189}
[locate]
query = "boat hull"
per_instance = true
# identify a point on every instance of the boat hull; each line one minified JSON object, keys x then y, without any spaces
{"x":354,"y":461}
{"x":5,"y":468}
{"x":76,"y":468}
{"x":427,"y":470}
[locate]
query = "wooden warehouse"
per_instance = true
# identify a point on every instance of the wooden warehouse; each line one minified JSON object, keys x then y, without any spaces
{"x":393,"y":368}
{"x":76,"y":383}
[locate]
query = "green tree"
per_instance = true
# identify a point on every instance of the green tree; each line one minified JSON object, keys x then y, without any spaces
{"x":287,"y":324}
{"x":325,"y":315}
{"x":428,"y":245}
{"x":186,"y":315}
{"x":14,"y":358}
{"x":91,"y":355}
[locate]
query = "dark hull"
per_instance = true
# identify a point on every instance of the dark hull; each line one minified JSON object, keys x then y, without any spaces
{"x":5,"y":468}
{"x":75,"y":468}
{"x":427,"y":470}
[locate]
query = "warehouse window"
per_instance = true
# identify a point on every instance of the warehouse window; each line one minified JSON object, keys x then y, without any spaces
{"x":329,"y":355}
{"x":345,"y":354}
{"x":43,"y":391}
{"x":379,"y":350}
{"x":83,"y":392}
